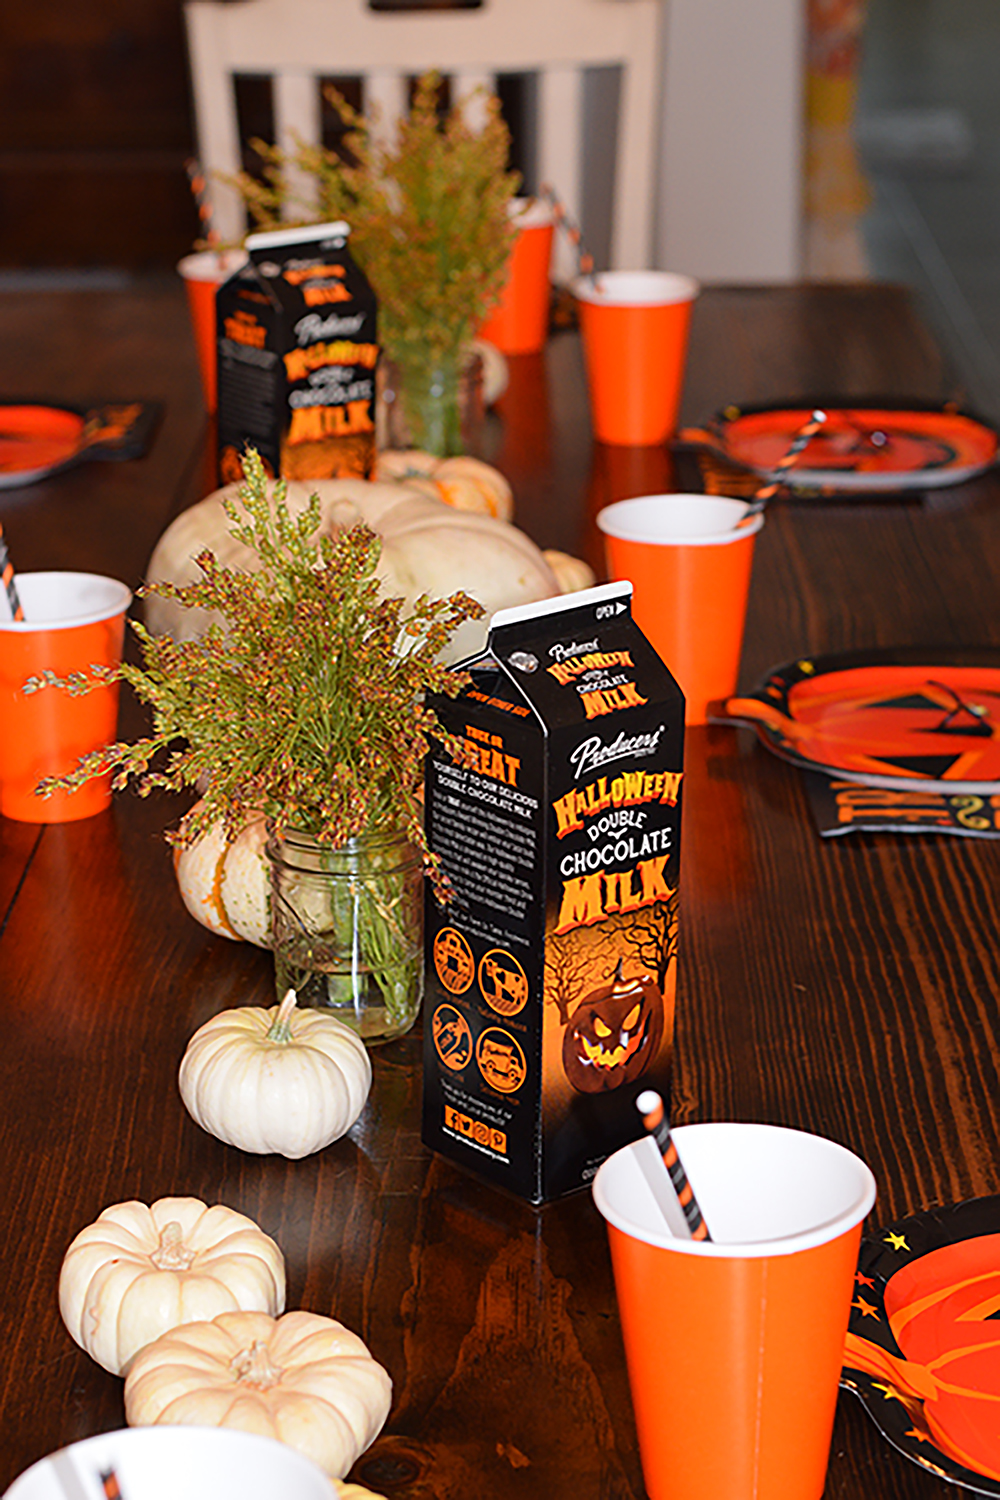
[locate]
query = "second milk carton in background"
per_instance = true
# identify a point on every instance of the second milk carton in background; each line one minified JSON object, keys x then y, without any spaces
{"x":551,"y":972}
{"x":297,"y":350}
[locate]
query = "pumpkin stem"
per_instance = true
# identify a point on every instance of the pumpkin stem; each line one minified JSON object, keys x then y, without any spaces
{"x":281,"y":1026}
{"x":171,"y":1254}
{"x":253,"y":1367}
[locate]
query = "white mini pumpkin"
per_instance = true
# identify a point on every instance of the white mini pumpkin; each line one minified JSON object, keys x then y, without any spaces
{"x":284,"y":1080}
{"x":226,"y":886}
{"x":140,"y":1270}
{"x":303,"y":1379}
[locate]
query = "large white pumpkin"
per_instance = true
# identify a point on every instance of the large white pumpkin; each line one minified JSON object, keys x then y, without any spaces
{"x":303,"y":1379}
{"x":428,"y":547}
{"x":140,"y":1270}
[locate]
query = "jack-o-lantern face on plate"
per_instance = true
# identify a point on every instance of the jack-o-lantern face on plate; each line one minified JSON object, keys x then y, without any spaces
{"x":613,"y":1034}
{"x":925,"y":1330}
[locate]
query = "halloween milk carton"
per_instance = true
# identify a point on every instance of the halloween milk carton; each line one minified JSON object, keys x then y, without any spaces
{"x":297,"y":349}
{"x":551,"y":972}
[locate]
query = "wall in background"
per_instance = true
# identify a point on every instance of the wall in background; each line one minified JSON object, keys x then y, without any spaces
{"x":731,"y":167}
{"x":94,"y":130}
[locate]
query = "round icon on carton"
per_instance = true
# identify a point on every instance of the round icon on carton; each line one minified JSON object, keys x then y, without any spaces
{"x":452,"y":1037}
{"x":503,"y":982}
{"x":500,"y":1060}
{"x":453,"y":961}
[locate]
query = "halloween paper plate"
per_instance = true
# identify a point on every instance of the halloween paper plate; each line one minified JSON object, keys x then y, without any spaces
{"x":38,"y":439}
{"x":858,"y":448}
{"x":923,"y":1342}
{"x":909,"y":717}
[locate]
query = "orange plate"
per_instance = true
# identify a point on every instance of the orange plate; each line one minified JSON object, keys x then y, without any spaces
{"x":34,"y":440}
{"x":858,"y":448}
{"x":923,"y":1344}
{"x":904,"y":718}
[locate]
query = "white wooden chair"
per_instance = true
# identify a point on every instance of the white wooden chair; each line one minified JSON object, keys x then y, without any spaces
{"x":297,"y":42}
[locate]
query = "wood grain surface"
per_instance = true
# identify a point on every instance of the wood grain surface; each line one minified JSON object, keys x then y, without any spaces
{"x":850,"y":987}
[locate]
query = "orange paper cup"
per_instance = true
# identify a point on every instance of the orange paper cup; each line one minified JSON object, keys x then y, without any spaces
{"x":734,"y":1347}
{"x":635,"y":336}
{"x":689,"y":563}
{"x":72,"y":621}
{"x":520,"y":323}
{"x":203,"y":274}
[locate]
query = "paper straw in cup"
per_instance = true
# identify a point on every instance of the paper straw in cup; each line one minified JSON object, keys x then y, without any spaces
{"x":521,"y":321}
{"x":203,"y":274}
{"x":689,"y":559}
{"x":650,"y":1106}
{"x":14,"y":605}
{"x":734,"y":1345}
{"x":792,"y":454}
{"x":72,"y":621}
{"x":635,"y":336}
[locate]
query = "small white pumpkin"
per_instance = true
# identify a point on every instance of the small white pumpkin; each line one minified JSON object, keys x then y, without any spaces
{"x":303,"y":1379}
{"x":283,"y":1080}
{"x":463,"y":482}
{"x":226,"y":886}
{"x":140,"y":1270}
{"x":572,"y":573}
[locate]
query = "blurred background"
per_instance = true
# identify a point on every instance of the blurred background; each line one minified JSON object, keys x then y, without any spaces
{"x":96,"y":127}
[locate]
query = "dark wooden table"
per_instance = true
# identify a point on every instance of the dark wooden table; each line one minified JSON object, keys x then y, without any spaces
{"x":851,"y":988}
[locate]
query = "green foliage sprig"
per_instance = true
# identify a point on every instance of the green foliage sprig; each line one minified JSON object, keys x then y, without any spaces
{"x":428,"y":212}
{"x":307,"y":704}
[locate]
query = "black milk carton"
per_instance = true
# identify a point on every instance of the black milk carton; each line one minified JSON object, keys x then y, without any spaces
{"x":297,"y":350}
{"x":551,"y":973}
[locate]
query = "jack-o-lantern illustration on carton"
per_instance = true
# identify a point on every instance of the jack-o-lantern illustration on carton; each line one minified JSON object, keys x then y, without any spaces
{"x":614,"y":1033}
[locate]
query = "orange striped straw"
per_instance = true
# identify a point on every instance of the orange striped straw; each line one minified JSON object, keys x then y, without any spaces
{"x":109,"y":1484}
{"x":799,"y":442}
{"x":199,"y":188}
{"x":650,"y":1106}
{"x":9,"y":582}
{"x":560,"y":213}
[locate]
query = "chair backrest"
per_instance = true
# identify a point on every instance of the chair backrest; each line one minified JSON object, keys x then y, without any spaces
{"x":298,"y":42}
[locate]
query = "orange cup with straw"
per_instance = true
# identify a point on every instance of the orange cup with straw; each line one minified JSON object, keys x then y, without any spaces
{"x":72,"y":621}
{"x":635,"y":328}
{"x":689,"y":560}
{"x":521,"y":321}
{"x":203,"y":273}
{"x":734,"y":1344}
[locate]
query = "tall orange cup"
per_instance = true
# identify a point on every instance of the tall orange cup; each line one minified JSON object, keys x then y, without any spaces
{"x":689,"y":561}
{"x":734,"y":1346}
{"x":203,"y":273}
{"x":635,"y":328}
{"x":521,"y":321}
{"x":72,"y":621}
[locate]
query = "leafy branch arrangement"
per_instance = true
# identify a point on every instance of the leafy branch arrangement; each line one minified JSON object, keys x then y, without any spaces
{"x":306,"y":705}
{"x":428,"y":213}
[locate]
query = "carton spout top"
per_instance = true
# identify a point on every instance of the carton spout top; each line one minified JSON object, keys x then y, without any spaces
{"x":303,"y":234}
{"x":602,"y":593}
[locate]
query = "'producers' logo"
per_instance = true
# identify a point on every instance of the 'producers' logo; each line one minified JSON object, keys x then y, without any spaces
{"x":590,"y":754}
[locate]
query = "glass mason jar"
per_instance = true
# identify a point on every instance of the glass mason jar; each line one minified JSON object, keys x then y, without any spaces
{"x":436,"y":406}
{"x":347,"y":929}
